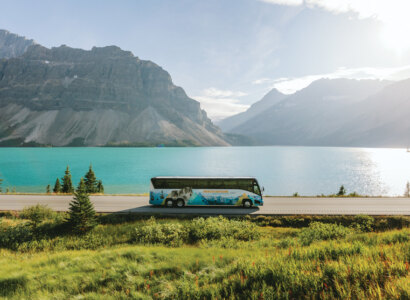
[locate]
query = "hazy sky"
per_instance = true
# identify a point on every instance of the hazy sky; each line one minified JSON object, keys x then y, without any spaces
{"x":228,"y":54}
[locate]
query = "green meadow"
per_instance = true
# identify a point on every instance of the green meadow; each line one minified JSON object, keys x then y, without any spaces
{"x":128,"y":256}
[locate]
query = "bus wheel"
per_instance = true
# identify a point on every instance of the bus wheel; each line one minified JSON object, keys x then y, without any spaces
{"x":247,"y":203}
{"x":169,"y":203}
{"x":180,"y":203}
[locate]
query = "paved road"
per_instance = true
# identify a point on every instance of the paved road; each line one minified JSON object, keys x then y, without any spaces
{"x":272,"y":205}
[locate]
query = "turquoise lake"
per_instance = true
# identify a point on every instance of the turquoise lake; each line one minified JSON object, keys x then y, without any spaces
{"x":281,"y":170}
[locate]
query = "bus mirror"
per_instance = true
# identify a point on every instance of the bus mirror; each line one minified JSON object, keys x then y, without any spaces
{"x":263,"y":189}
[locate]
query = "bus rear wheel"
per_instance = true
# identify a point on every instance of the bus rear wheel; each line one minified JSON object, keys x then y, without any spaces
{"x":180,"y":203}
{"x":169,"y":203}
{"x":247,"y":203}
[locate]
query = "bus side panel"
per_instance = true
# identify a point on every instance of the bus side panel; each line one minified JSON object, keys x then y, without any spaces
{"x":204,"y":196}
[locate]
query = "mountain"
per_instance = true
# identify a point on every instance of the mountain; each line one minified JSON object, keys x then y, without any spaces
{"x":270,"y":99}
{"x":381,"y":120}
{"x":13,"y":45}
{"x":106,"y":96}
{"x":318,"y":113}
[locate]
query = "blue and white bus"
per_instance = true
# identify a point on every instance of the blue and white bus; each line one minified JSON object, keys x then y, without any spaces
{"x":181,"y":191}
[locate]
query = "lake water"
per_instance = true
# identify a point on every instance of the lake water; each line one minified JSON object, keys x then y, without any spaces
{"x":281,"y":170}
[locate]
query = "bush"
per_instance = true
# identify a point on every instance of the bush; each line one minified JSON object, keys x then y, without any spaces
{"x":12,"y":236}
{"x":155,"y":233}
{"x":363,"y":223}
{"x":320,"y":231}
{"x":216,"y":228}
{"x":37,"y":214}
{"x":197,"y":230}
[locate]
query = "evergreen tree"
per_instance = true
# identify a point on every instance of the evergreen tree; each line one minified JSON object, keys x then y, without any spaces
{"x":48,"y":189}
{"x":81,"y":212}
{"x":407,"y":190}
{"x":67,"y":182}
{"x":57,"y":186}
{"x":342,"y":191}
{"x":1,"y":182}
{"x":81,"y":187}
{"x":91,"y":181}
{"x":100,"y":187}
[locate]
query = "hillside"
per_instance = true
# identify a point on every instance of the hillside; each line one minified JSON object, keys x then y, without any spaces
{"x":330,"y":112}
{"x":270,"y":99}
{"x":106,"y":96}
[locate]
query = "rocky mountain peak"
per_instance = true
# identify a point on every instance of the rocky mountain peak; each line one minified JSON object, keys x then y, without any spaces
{"x":13,"y":45}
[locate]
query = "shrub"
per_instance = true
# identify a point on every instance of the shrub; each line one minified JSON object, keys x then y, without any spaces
{"x":155,"y":233}
{"x":37,"y":214}
{"x":216,"y":228}
{"x":320,"y":231}
{"x":363,"y":223}
{"x":12,"y":236}
{"x":197,"y":230}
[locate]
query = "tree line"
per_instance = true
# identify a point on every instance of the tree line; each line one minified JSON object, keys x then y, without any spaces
{"x":91,"y":184}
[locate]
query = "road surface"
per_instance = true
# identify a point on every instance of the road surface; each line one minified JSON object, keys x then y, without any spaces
{"x":272,"y":205}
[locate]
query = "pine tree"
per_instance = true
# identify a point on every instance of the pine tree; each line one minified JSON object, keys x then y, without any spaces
{"x":48,"y":189}
{"x":67,"y":182}
{"x":100,"y":187}
{"x":81,"y":187}
{"x":91,"y":181}
{"x":407,"y":190}
{"x":342,"y":191}
{"x":1,"y":182}
{"x":57,"y":186}
{"x":81,"y":212}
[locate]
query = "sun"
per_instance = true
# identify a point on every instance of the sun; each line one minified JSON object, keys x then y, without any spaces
{"x":396,"y":26}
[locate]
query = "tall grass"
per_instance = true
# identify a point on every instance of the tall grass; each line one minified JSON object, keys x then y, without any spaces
{"x":213,"y":258}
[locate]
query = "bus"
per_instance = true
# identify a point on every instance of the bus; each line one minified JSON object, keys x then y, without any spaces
{"x":182,"y":191}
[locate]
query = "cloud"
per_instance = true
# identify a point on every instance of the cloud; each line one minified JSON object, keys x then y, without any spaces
{"x":220,"y":104}
{"x":291,"y":85}
{"x":392,"y":13}
{"x":261,"y":81}
{"x":285,"y":2}
{"x":213,"y":92}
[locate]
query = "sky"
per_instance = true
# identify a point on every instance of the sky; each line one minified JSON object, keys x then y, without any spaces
{"x":227,"y":54}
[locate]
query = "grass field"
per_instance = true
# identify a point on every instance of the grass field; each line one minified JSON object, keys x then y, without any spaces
{"x":213,"y":258}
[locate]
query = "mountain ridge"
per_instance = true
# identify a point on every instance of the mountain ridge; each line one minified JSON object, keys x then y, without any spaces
{"x":336,"y":112}
{"x":96,"y":97}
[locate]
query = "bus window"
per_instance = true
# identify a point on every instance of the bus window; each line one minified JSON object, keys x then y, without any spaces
{"x":256,"y":188}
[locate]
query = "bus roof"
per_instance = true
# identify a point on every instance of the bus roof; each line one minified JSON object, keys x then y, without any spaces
{"x":201,"y":177}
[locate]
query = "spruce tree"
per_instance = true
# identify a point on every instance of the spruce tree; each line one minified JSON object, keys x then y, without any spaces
{"x":91,"y":181}
{"x":100,"y":187}
{"x":57,"y":187}
{"x":1,"y":182}
{"x":407,"y":190}
{"x":342,"y":191}
{"x":81,"y":187}
{"x":48,"y":189}
{"x":81,"y":212}
{"x":67,"y":182}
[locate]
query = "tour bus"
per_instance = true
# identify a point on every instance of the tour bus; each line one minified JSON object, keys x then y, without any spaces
{"x":181,"y":191}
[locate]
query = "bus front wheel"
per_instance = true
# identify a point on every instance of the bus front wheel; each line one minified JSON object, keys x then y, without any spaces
{"x":180,"y":203}
{"x":247,"y":203}
{"x":169,"y":203}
